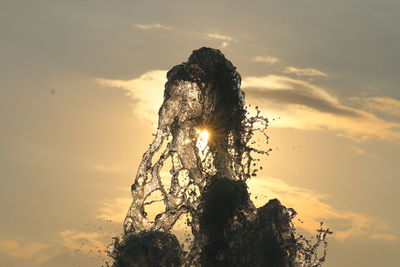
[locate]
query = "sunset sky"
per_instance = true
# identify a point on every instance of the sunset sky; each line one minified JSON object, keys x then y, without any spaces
{"x":81,"y":83}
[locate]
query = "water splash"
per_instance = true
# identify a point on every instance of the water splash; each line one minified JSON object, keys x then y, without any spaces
{"x":205,"y":144}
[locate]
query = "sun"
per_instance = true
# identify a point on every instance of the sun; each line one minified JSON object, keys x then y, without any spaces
{"x":202,"y":139}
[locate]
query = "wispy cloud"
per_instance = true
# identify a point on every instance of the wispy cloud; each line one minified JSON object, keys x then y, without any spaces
{"x":154,"y":26}
{"x":384,"y":237}
{"x":305,"y":72}
{"x":266,"y":59}
{"x":105,"y":168}
{"x":219,"y":36}
{"x":313,"y":207}
{"x":282,"y":83}
{"x":303,"y":105}
{"x":146,"y":91}
{"x":35,"y":253}
{"x":300,"y":104}
{"x":385,"y":105}
{"x":115,"y":209}
{"x":224,"y":38}
{"x":84,"y":242}
{"x":359,"y":151}
{"x":225,"y":44}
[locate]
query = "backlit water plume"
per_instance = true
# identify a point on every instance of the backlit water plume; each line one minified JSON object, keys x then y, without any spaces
{"x":196,"y":167}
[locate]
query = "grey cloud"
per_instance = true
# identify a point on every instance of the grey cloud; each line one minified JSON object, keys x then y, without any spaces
{"x":287,"y":96}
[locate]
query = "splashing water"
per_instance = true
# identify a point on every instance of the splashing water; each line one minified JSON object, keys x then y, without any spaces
{"x":205,"y":137}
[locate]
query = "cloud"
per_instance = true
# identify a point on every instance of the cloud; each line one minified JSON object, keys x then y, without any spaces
{"x":115,"y":209}
{"x":265,"y":59}
{"x":300,"y":105}
{"x":384,"y":105}
{"x":275,"y":82}
{"x":304,"y":98}
{"x":305,"y":72}
{"x":225,"y":44}
{"x":36,"y":253}
{"x":285,"y":90}
{"x":84,"y":242}
{"x":384,"y":237}
{"x":303,"y":105}
{"x":313,"y":207}
{"x":105,"y":168}
{"x":219,"y":36}
{"x":146,"y":91}
{"x":71,"y":243}
{"x":226,"y":39}
{"x":359,"y":151}
{"x":154,"y":26}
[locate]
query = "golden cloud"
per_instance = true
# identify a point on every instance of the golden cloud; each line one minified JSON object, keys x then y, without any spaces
{"x":80,"y":241}
{"x":313,"y":207}
{"x":147,"y":92}
{"x":384,"y":237}
{"x":302,"y":105}
{"x":299,"y":104}
{"x":36,"y":253}
{"x":114,"y":210}
{"x":385,"y":105}
{"x":276,"y":82}
{"x":105,"y":168}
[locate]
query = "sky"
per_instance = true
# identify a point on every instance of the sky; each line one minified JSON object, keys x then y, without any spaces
{"x":81,"y":83}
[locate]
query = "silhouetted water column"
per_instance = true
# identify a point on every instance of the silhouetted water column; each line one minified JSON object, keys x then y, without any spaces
{"x":209,"y":185}
{"x":203,"y":93}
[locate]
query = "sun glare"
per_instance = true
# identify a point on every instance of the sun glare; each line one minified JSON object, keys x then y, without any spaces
{"x":202,"y":139}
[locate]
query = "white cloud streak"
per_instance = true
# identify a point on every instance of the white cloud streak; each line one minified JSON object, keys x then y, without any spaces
{"x":305,"y":72}
{"x":219,"y":37}
{"x":225,"y":44}
{"x":154,"y":26}
{"x":266,"y":59}
{"x":224,"y":38}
